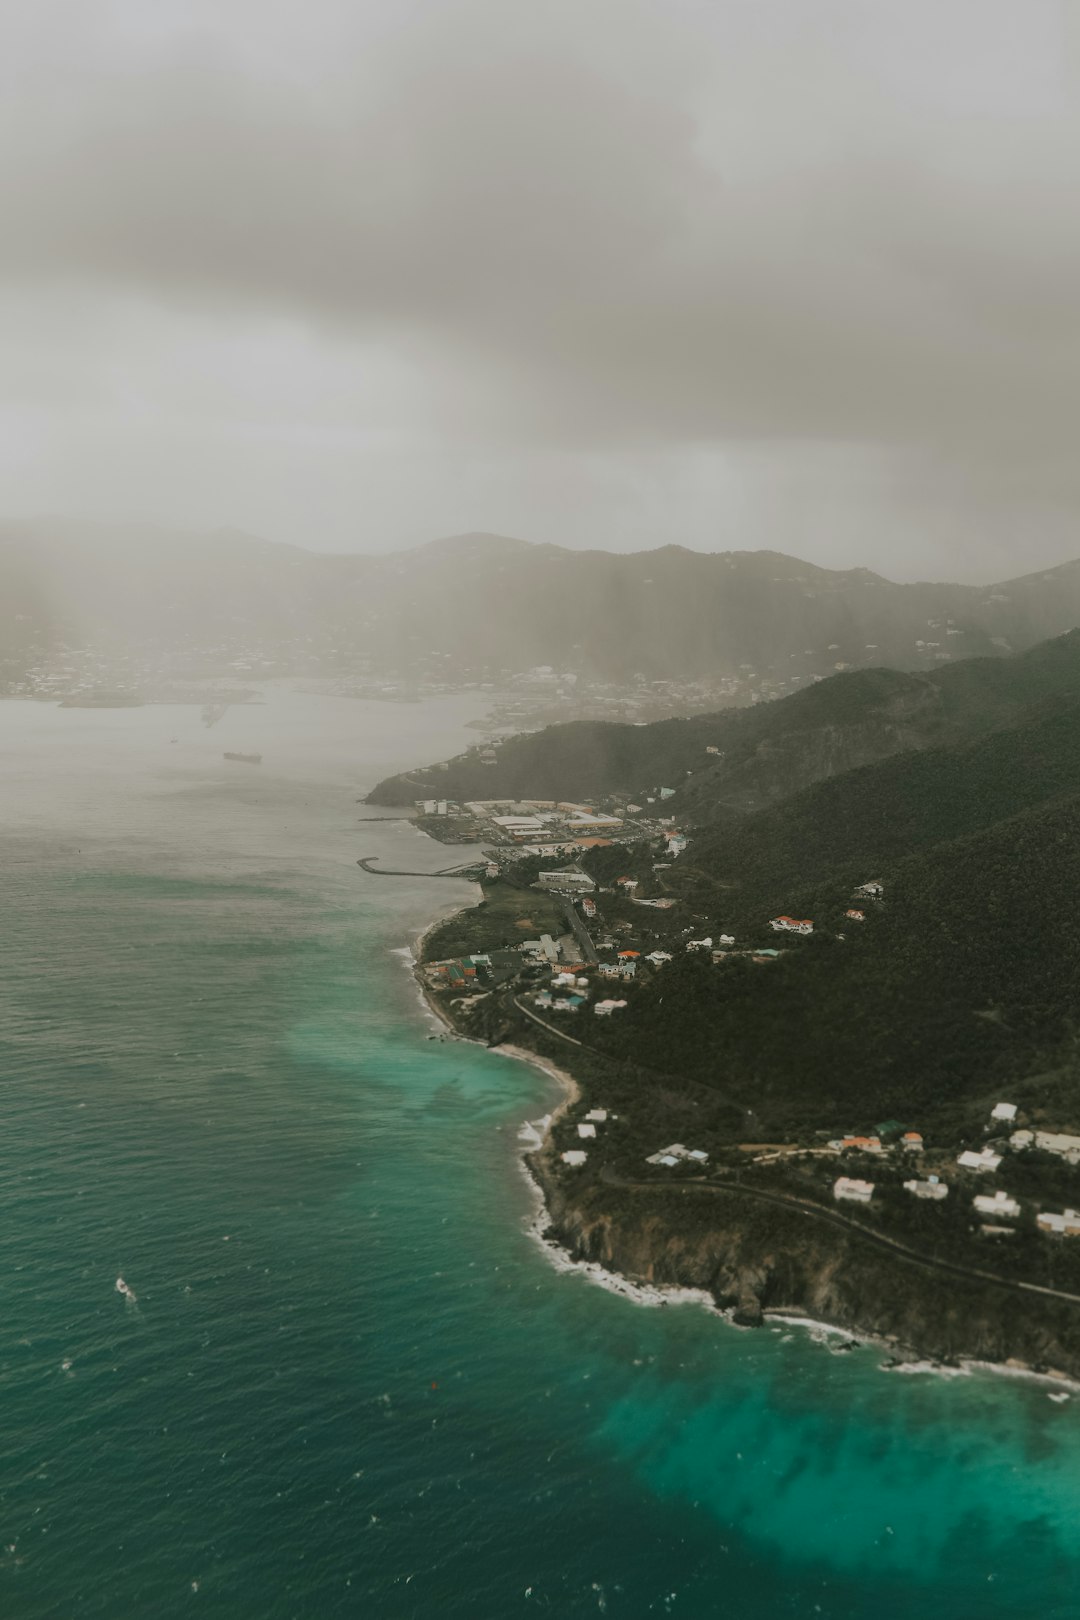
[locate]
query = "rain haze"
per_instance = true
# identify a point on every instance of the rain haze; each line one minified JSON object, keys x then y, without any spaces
{"x":737,"y":274}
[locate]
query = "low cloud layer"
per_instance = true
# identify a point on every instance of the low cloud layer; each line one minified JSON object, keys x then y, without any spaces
{"x":730,"y":273}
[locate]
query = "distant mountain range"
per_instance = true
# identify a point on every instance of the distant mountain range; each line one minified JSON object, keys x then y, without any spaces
{"x":484,"y":607}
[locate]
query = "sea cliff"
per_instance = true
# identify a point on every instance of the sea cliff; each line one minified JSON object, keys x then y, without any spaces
{"x":754,"y":1260}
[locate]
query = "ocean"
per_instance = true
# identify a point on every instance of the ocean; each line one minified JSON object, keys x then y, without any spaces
{"x":350,"y":1382}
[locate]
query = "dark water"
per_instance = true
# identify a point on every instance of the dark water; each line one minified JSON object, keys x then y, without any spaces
{"x":351,"y":1384}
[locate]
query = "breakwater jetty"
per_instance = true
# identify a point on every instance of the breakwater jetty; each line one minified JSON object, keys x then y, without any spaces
{"x":469,"y":869}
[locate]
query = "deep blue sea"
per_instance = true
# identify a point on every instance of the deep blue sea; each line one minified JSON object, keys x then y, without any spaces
{"x":350,"y":1383}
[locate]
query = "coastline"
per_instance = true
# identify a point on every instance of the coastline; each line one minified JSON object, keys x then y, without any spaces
{"x":534,"y":1146}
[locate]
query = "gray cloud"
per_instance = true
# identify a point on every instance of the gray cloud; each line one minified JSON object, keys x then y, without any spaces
{"x":728,"y":272}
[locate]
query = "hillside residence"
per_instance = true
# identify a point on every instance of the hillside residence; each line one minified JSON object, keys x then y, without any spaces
{"x":585,"y":1131}
{"x":998,"y":1203}
{"x":574,"y":1156}
{"x":667,"y":793}
{"x":856,"y":916}
{"x":604,"y":1009}
{"x":848,"y":1189}
{"x":588,"y":906}
{"x":710,"y":748}
{"x":543,"y":998}
{"x":873,"y":890}
{"x":658,"y":958}
{"x":570,"y":879}
{"x":930,"y":1188}
{"x":570,"y":1004}
{"x":792,"y":925}
{"x":597,"y":1115}
{"x":676,"y":843}
{"x":1066,"y":1147}
{"x":861,"y":1144}
{"x":1005,"y":1111}
{"x":1064,"y":1225}
{"x":628,"y":883}
{"x":699,"y":944}
{"x":726,"y":939}
{"x":982,"y":1162}
{"x":675,"y":1153}
{"x":911,"y":1142}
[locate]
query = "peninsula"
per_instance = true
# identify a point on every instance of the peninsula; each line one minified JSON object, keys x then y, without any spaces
{"x":822,"y":1028}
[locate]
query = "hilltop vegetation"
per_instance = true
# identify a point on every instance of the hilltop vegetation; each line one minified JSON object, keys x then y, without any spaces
{"x":959,"y":985}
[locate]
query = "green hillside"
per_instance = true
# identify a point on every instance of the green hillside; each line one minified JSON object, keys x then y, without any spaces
{"x":959,"y":986}
{"x":766,"y":752}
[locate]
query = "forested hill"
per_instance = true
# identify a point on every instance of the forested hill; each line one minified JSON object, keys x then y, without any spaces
{"x":861,"y":824}
{"x":487,"y":607}
{"x":959,"y":988}
{"x":767,"y":752}
{"x":960,"y":982}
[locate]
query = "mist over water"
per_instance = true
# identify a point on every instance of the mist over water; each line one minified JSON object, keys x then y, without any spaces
{"x":350,"y":1382}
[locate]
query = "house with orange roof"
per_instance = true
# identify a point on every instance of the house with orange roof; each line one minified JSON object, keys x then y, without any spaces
{"x":791,"y":925}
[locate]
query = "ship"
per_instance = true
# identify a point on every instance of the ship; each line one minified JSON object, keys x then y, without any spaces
{"x":245,"y":759}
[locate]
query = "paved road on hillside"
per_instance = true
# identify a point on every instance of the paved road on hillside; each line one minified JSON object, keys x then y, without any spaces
{"x":834,"y":1218}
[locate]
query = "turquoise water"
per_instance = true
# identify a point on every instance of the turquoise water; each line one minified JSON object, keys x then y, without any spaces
{"x":351,"y":1383}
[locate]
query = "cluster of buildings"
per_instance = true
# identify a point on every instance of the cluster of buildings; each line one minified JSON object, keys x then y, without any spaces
{"x":587,"y":1131}
{"x":677,"y":1154}
{"x":992,"y":1207}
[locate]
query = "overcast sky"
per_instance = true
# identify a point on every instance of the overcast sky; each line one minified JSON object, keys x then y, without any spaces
{"x":729,"y":273}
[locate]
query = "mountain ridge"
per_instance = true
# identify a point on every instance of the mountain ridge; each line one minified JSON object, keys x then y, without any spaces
{"x":482,"y":608}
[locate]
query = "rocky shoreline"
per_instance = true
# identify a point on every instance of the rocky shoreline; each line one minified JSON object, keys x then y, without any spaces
{"x":768,"y":1263}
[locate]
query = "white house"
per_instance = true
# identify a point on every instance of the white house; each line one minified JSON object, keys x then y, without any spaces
{"x":574,"y":1156}
{"x":983,"y":1161}
{"x":1006,"y":1111}
{"x":597,"y":1114}
{"x":1066,"y":1147}
{"x":873,"y":888}
{"x":658,"y":958}
{"x":847,"y":1188}
{"x":672,"y":1155}
{"x":726,"y":939}
{"x":586,"y":1130}
{"x":930,"y":1188}
{"x":1064,"y":1225}
{"x":699,"y":944}
{"x":604,"y":1009}
{"x":581,"y":882}
{"x":998,"y":1204}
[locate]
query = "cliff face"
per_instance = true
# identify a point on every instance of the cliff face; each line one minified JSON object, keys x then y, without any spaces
{"x":752,"y":1260}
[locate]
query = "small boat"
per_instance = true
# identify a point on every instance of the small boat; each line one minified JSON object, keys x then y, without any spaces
{"x":122,"y":1288}
{"x":245,"y":759}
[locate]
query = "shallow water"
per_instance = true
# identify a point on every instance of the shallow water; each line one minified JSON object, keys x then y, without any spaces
{"x":350,"y":1382}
